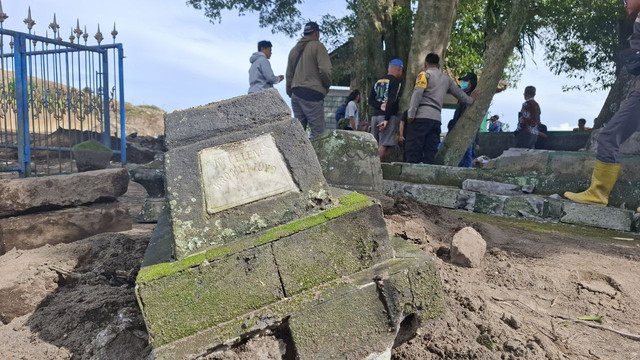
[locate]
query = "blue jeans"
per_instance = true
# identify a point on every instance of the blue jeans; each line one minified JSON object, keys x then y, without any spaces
{"x":467,"y":159}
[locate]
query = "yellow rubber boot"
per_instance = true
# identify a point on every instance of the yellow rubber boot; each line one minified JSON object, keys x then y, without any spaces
{"x":602,"y":181}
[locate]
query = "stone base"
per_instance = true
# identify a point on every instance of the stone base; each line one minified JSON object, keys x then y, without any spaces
{"x":151,"y":210}
{"x":62,"y":226}
{"x":356,"y":316}
{"x":532,"y":207}
{"x":551,"y":172}
{"x":182,"y":298}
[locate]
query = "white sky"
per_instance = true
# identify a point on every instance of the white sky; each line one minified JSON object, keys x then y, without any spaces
{"x":175,"y":58}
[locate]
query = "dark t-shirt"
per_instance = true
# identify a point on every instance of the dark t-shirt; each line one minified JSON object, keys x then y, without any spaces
{"x":386,"y":91}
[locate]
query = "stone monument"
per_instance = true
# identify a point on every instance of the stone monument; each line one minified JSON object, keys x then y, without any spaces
{"x":255,"y":239}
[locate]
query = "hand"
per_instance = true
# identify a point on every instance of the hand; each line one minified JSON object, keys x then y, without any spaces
{"x":383,"y":107}
{"x":281,"y":77}
{"x":474,"y":94}
{"x":400,"y":138}
{"x":383,"y":125}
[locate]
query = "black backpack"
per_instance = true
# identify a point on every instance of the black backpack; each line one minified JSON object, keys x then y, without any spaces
{"x":340,"y":111}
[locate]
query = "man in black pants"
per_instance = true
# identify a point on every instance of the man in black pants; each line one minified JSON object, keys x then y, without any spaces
{"x":423,"y":119}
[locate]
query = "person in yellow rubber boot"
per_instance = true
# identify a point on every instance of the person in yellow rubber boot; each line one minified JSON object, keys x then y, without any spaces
{"x":622,"y":125}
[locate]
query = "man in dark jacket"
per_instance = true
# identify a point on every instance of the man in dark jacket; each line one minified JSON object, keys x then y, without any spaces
{"x":622,"y":125}
{"x":384,"y":100}
{"x":468,"y":85}
{"x":308,"y":79}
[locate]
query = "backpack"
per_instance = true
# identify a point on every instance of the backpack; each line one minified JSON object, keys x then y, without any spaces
{"x":340,"y":111}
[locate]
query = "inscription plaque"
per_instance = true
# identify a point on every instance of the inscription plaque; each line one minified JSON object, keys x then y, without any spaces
{"x":242,"y":172}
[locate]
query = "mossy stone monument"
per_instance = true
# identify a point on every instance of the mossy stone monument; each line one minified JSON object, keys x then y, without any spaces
{"x":254,"y":236}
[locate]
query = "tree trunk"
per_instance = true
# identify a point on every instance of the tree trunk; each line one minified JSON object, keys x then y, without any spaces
{"x":619,"y":89}
{"x":499,"y":47}
{"x":374,"y":21}
{"x":431,"y":33}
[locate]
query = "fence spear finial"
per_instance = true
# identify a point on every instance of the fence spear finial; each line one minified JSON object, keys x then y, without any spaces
{"x":98,"y":35}
{"x":114,"y":33}
{"x":3,"y":15}
{"x":71,"y":37}
{"x":78,"y":31}
{"x":54,"y":25}
{"x":29,"y":21}
{"x":85,"y":36}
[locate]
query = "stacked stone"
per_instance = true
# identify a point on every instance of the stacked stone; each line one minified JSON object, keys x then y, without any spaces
{"x":489,"y":197}
{"x":254,"y":239}
{"x":62,"y":208}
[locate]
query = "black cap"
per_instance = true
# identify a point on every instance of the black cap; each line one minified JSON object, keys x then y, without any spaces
{"x":469,"y":77}
{"x":311,"y":27}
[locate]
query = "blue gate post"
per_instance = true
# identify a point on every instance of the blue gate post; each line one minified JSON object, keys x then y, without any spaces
{"x":22,"y":102}
{"x":123,"y":134}
{"x":106,"y":131}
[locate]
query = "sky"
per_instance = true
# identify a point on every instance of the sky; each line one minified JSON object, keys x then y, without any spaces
{"x":176,"y":58}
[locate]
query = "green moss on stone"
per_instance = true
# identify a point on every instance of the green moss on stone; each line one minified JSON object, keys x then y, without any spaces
{"x":348,"y":203}
{"x":91,"y":145}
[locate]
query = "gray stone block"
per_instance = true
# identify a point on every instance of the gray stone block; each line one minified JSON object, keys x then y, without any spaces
{"x":38,"y":193}
{"x":227,"y":116}
{"x":196,"y":225}
{"x":527,"y":204}
{"x":62,"y":226}
{"x":349,"y":160}
{"x":151,"y":210}
{"x":522,"y":160}
{"x":151,"y":176}
{"x":491,"y":187}
{"x":444,"y":196}
{"x":597,"y":216}
{"x":489,"y":204}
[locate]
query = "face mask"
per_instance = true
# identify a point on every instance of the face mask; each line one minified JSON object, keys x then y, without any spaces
{"x":464,"y":85}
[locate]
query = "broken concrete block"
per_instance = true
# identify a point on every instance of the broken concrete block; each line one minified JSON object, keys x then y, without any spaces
{"x":636,"y":222}
{"x":62,"y":226}
{"x":489,"y":204}
{"x":361,"y":322}
{"x":151,"y":176}
{"x":358,"y":240}
{"x":491,"y":187}
{"x":597,"y":216}
{"x":51,"y":192}
{"x":349,"y":160}
{"x":530,"y":204}
{"x":151,"y":210}
{"x":468,"y":248}
{"x":444,"y":196}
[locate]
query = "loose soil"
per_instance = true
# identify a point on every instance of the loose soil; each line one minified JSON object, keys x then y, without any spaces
{"x":515,"y":306}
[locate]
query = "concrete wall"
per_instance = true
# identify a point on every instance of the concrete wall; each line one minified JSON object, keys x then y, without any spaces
{"x":494,"y":144}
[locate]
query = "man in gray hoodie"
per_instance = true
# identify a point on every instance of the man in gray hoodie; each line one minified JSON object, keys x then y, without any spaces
{"x":308,"y":79}
{"x":261,"y":76}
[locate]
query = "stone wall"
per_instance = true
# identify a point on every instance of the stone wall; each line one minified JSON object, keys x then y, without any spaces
{"x":494,"y":144}
{"x":552,"y":172}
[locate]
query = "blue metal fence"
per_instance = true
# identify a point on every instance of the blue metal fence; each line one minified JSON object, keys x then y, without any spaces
{"x":55,"y":94}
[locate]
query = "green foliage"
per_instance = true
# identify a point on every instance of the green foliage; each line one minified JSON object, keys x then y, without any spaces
{"x":581,"y":38}
{"x":281,"y":15}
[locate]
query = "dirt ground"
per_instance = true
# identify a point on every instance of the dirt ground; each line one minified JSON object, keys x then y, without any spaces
{"x":522,"y":303}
